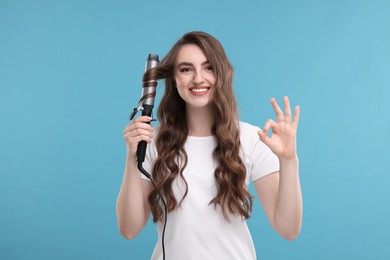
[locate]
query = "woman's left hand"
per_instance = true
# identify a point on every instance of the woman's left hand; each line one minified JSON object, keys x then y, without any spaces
{"x":283,"y":139}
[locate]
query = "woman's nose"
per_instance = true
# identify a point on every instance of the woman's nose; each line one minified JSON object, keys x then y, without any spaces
{"x":198,"y":77}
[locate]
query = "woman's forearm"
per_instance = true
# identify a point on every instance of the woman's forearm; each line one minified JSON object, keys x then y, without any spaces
{"x":288,"y":211}
{"x":131,"y":207}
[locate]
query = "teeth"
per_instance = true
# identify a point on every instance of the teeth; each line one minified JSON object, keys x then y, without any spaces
{"x":199,"y":90}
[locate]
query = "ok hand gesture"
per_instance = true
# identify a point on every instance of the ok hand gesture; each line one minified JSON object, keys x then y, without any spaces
{"x":283,"y":139}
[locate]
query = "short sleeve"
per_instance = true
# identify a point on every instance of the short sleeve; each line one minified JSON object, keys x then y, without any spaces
{"x":259,"y":159}
{"x":264,"y":161}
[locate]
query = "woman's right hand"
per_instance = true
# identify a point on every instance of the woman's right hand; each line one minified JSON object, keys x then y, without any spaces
{"x":138,"y":130}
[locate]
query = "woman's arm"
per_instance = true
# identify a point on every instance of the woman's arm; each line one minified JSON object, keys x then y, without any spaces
{"x":280,"y":193}
{"x":132,"y":206}
{"x":281,"y":198}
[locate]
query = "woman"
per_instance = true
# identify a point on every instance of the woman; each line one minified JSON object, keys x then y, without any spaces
{"x":202,"y":158}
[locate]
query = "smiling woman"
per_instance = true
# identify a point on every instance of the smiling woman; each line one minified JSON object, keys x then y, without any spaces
{"x":194,"y":76}
{"x":195,"y":82}
{"x":202,"y":159}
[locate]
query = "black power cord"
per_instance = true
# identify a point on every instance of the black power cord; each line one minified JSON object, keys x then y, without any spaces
{"x":144,"y":172}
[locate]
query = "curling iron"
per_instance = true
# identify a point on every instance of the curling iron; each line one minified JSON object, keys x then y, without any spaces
{"x":146,"y":103}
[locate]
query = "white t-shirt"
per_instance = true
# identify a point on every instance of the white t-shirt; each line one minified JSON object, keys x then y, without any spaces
{"x":197,"y":230}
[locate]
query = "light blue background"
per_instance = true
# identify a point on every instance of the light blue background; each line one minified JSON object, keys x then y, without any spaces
{"x":70,"y":73}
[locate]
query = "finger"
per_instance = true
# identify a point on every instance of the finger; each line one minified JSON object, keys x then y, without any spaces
{"x":144,"y":119}
{"x":262,"y":134}
{"x":264,"y":138}
{"x":287,"y":109}
{"x":278,"y":111}
{"x":134,"y":140}
{"x":138,"y":131}
{"x":268,"y":125}
{"x":135,"y":125}
{"x":297,"y":111}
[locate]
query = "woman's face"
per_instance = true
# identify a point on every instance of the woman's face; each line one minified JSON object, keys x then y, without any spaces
{"x":194,"y":76}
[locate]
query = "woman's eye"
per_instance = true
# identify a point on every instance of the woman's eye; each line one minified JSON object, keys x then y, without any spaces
{"x":210,"y":68}
{"x":184,"y":69}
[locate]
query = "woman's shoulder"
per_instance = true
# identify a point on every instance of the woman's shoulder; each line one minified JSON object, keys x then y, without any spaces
{"x":249,"y":137}
{"x":246,"y":128}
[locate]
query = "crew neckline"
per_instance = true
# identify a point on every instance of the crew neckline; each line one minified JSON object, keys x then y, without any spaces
{"x":200,"y":138}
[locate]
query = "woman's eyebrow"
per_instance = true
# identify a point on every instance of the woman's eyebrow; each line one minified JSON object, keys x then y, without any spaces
{"x":184,"y":63}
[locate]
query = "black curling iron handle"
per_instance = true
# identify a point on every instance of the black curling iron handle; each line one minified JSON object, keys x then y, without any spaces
{"x":141,"y":149}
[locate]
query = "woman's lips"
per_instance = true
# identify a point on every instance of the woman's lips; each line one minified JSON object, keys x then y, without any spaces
{"x":199,"y":91}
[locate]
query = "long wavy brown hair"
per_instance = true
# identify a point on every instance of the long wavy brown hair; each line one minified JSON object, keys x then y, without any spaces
{"x":230,"y":172}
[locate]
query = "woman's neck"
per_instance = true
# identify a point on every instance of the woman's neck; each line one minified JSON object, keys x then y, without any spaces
{"x":200,"y":121}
